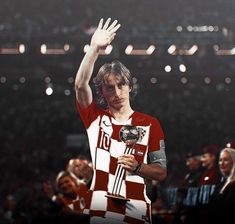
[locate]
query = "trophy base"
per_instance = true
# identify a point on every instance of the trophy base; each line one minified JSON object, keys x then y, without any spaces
{"x":116,"y":197}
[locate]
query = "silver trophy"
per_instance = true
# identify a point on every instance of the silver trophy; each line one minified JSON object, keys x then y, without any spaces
{"x":130,"y":135}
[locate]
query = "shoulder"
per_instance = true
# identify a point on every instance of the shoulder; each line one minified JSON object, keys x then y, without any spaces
{"x":145,"y":118}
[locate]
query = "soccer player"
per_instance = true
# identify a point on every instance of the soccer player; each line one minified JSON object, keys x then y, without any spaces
{"x":118,"y":190}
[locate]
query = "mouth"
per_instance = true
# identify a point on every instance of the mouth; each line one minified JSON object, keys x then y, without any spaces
{"x":118,"y":101}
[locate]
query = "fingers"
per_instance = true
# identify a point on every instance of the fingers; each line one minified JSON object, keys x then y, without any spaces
{"x":112,"y":25}
{"x":106,"y":23}
{"x":100,"y":23}
{"x":126,"y":159}
{"x":115,"y":28}
{"x":112,"y":37}
{"x":112,"y":28}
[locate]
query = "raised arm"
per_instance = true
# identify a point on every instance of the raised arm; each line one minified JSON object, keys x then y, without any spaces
{"x":103,"y":36}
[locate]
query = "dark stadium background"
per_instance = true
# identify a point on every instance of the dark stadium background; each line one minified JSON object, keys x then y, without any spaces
{"x":39,"y":133}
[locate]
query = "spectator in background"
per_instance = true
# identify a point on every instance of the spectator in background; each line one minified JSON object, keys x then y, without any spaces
{"x":69,"y":201}
{"x":11,"y":213}
{"x":82,"y":168}
{"x":193,"y":162}
{"x":209,"y":159}
{"x":222,"y":203}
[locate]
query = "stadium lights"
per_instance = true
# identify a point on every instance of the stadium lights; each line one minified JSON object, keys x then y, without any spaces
{"x":18,"y":49}
{"x":184,"y":50}
{"x":223,"y":51}
{"x":131,"y":51}
{"x":49,"y":90}
{"x":167,"y":68}
{"x":105,"y":51}
{"x":182,"y":68}
{"x":44,"y":49}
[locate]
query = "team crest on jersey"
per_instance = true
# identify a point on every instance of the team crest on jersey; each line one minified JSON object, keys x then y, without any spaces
{"x":142,"y":133}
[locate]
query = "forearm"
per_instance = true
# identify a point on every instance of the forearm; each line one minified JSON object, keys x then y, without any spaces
{"x":153,"y":172}
{"x":83,"y":76}
{"x":86,"y":67}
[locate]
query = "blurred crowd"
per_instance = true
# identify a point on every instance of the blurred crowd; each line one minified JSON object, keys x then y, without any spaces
{"x":205,"y":193}
{"x":34,"y":149}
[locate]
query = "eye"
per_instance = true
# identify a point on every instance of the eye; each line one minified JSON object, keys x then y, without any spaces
{"x":109,"y":88}
{"x":120,"y":86}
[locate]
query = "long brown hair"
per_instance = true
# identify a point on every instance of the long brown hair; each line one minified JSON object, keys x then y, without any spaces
{"x":117,"y":68}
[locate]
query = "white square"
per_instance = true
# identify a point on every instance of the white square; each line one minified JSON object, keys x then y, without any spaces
{"x":102,"y":160}
{"x":99,"y":201}
{"x":114,"y":215}
{"x":134,"y":178}
{"x":117,"y":148}
{"x":136,"y":209}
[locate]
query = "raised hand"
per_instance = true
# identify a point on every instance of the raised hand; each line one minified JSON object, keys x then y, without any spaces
{"x":104,"y":34}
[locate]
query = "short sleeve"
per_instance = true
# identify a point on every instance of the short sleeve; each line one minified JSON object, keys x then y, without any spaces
{"x":156,"y":138}
{"x":88,"y":114}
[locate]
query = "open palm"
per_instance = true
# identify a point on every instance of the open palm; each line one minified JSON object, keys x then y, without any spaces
{"x":104,"y":34}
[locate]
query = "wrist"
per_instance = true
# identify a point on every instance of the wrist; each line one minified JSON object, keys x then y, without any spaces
{"x":94,"y":46}
{"x":137,"y":168}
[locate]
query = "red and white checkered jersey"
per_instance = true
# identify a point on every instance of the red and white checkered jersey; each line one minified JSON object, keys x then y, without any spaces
{"x":109,"y":177}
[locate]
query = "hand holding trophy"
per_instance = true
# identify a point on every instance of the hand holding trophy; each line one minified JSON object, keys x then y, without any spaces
{"x":129,"y":135}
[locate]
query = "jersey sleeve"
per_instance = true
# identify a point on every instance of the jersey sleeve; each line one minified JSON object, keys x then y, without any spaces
{"x":156,"y":138}
{"x":157,"y":145}
{"x":88,"y":114}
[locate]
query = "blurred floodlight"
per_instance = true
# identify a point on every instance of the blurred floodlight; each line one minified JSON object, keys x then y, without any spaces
{"x":70,"y":80}
{"x":167,"y":68}
{"x":227,"y":80}
{"x":54,"y":50}
{"x":49,"y":90}
{"x":179,"y":28}
{"x":3,"y":79}
{"x":135,"y":80}
{"x":232,"y":51}
{"x":22,"y":79}
{"x":129,"y":49}
{"x":192,"y":50}
{"x":12,"y":48}
{"x":105,"y":51}
{"x":86,"y":48}
{"x":150,"y":49}
{"x":66,"y":47}
{"x":182,"y":68}
{"x":67,"y":92}
{"x":184,"y":80}
{"x":207,"y":80}
{"x":21,"y":48}
{"x":153,"y":80}
{"x":172,"y":49}
{"x":227,"y":50}
{"x":43,"y":48}
{"x":108,"y":49}
{"x":47,"y":79}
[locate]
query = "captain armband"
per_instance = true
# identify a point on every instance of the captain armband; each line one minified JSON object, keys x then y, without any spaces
{"x":158,"y":157}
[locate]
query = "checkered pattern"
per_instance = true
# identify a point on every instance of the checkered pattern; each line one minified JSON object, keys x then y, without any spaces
{"x":109,"y":177}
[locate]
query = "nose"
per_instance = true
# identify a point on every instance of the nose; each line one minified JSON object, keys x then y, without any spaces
{"x":117,"y":91}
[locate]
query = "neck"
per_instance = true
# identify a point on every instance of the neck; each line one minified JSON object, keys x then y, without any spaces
{"x":121,"y":114}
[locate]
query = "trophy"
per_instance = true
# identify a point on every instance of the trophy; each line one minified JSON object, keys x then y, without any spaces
{"x":129,"y":135}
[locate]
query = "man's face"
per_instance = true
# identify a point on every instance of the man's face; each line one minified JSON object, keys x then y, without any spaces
{"x":193,"y":163}
{"x":225,"y":163}
{"x":67,"y":185}
{"x":115,"y":92}
{"x":208,"y":160}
